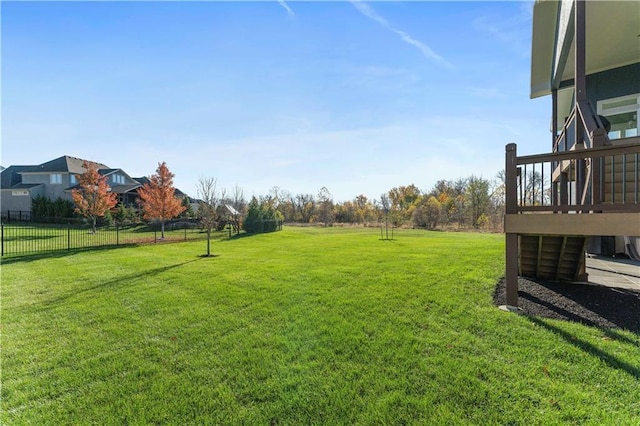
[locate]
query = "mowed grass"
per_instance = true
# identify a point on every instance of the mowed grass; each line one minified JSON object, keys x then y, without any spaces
{"x":302,"y":326}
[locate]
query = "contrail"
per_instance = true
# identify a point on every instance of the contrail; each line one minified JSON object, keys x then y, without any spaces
{"x":367,"y":11}
{"x":286,"y":6}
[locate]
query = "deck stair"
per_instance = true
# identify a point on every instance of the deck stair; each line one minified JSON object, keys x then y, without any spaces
{"x":559,"y":258}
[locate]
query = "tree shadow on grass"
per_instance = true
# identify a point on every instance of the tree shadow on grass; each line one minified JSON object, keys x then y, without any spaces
{"x":55,"y":254}
{"x":589,"y":348}
{"x":240,"y":236}
{"x":113,"y":283}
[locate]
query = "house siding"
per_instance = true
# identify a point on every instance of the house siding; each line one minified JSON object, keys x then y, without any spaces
{"x":614,"y":83}
{"x":51,"y":191}
{"x":19,"y":203}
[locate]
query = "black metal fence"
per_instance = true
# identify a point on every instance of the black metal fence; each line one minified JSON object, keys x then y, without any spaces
{"x":30,"y":238}
{"x":15,"y":216}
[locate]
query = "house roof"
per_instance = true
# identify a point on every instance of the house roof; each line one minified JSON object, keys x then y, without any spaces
{"x":144,"y":180}
{"x":122,"y":189}
{"x":64,"y":164}
{"x":612,"y":39}
{"x":10,"y":176}
{"x":24,"y":186}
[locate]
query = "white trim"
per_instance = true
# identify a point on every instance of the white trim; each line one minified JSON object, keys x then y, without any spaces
{"x":622,"y":109}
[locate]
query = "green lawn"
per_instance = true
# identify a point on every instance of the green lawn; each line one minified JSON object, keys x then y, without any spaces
{"x":302,"y":326}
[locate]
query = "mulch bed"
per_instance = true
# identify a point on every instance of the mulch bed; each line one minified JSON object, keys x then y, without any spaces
{"x":593,"y":305}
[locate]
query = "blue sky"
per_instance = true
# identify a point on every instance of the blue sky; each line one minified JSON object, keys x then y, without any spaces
{"x":357,"y":97}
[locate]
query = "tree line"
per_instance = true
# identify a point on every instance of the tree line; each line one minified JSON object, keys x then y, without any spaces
{"x":465,"y":203}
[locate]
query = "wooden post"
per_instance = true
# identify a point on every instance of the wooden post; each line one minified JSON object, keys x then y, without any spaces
{"x":580,"y":51}
{"x":554,"y":119}
{"x":511,"y":207}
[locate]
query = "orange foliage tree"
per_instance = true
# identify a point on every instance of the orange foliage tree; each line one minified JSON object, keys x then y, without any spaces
{"x":93,"y":198}
{"x":157,"y":198}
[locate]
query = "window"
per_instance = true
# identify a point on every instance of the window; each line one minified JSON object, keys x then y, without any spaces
{"x":117,"y":179}
{"x":55,"y":178}
{"x":622,"y":113}
{"x":72,"y":179}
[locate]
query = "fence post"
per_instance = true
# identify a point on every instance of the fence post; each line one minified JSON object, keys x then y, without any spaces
{"x":185,"y":233}
{"x":117,"y":235}
{"x":2,"y":238}
{"x":68,"y":236}
{"x":155,"y":236}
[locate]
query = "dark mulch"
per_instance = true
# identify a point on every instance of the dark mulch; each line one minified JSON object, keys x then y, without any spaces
{"x":593,"y":305}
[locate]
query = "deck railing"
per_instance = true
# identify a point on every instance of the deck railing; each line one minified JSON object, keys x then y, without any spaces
{"x":595,"y":180}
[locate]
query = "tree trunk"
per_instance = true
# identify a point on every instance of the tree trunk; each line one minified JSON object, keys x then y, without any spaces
{"x":162,"y":229}
{"x":208,"y":242}
{"x":93,"y":224}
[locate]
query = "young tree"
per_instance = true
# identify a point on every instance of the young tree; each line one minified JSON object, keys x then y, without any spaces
{"x":157,"y":197}
{"x":208,"y":205}
{"x":93,"y":198}
{"x":385,"y":207}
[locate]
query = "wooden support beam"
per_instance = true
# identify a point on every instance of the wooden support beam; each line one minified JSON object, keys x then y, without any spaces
{"x":561,"y":256}
{"x":539,"y":258}
{"x":627,"y":223}
{"x":511,"y":242}
{"x":581,"y":270}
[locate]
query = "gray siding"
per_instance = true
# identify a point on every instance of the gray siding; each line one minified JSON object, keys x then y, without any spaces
{"x":19,"y":203}
{"x":613,"y":83}
{"x":51,"y":191}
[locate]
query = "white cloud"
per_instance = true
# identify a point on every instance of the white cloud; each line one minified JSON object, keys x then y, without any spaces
{"x":367,"y":11}
{"x":286,"y":7}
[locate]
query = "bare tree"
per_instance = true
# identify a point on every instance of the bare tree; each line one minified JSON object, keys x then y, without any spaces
{"x":385,"y":207}
{"x":238,"y":201}
{"x":207,"y":192}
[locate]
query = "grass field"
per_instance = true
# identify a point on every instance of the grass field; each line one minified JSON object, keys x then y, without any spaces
{"x":302,"y":326}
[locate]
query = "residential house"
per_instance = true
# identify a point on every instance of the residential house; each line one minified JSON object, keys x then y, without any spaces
{"x":584,"y":194}
{"x":56,"y":178}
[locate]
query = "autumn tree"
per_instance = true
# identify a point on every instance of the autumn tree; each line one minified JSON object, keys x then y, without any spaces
{"x":207,"y":211}
{"x":404,"y":200}
{"x":427,"y":214}
{"x":157,"y":197}
{"x":93,"y":198}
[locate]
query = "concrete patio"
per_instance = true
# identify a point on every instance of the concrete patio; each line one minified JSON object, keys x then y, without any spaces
{"x":614,"y":272}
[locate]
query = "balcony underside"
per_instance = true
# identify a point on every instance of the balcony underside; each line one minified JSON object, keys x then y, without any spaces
{"x":626,"y":223}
